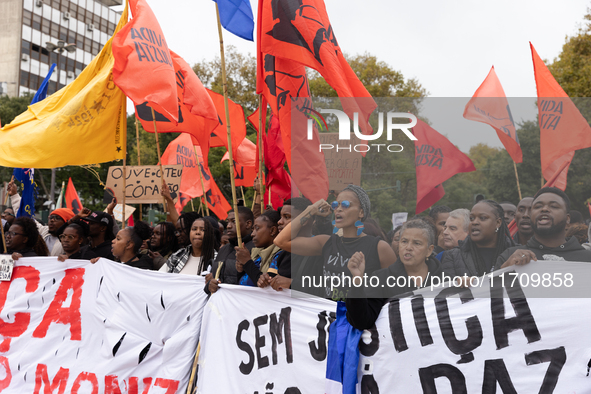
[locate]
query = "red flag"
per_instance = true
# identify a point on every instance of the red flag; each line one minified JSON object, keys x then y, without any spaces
{"x":130,"y":221}
{"x":562,"y":127}
{"x":436,"y":160}
{"x":244,"y":164}
{"x":182,"y":151}
{"x":197,"y":113}
{"x":219,"y":136}
{"x":72,"y":199}
{"x":143,"y":67}
{"x":512,"y":227}
{"x":300,"y":30}
{"x":277,"y":178}
{"x":559,"y":170}
{"x":254,"y":120}
{"x":489,"y":105}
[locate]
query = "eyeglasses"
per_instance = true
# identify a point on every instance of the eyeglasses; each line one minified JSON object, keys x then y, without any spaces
{"x":344,"y":204}
{"x":12,"y":233}
{"x":55,"y":218}
{"x":7,"y":214}
{"x":67,"y":236}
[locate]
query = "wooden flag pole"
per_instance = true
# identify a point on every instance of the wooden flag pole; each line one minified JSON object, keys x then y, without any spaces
{"x":254,"y":198}
{"x":270,"y":203}
{"x":517,"y":177}
{"x":137,"y":139}
{"x":260,"y":142}
{"x":243,"y":198}
{"x":192,"y":206}
{"x":229,"y":132}
{"x":201,"y":179}
{"x":124,"y":189}
{"x":159,"y":158}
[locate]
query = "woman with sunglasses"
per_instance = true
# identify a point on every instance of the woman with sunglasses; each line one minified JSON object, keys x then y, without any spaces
{"x":351,"y":208}
{"x":73,"y":239}
{"x":21,"y":239}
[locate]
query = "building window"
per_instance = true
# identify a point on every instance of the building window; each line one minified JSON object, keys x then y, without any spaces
{"x":24,"y":79}
{"x":25,"y":47}
{"x":27,"y":17}
{"x":36,"y":22}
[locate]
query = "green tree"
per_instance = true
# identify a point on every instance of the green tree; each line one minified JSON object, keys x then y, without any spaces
{"x":240,"y":74}
{"x":378,"y":77}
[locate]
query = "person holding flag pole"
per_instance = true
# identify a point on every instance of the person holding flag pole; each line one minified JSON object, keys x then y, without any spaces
{"x":230,"y":153}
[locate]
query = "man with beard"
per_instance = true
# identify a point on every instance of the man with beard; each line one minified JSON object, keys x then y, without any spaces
{"x":523,"y":221}
{"x":549,"y":217}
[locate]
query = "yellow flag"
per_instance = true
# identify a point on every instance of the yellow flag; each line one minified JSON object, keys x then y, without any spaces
{"x":83,"y":123}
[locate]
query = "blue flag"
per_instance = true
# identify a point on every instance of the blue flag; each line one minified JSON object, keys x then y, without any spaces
{"x":236,"y":17}
{"x":25,"y":176}
{"x":42,"y":92}
{"x":343,"y":354}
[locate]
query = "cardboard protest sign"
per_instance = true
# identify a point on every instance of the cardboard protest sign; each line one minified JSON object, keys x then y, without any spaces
{"x":343,"y":163}
{"x":265,"y":341}
{"x":76,"y":327}
{"x":143,"y":183}
{"x":118,"y":212}
{"x":472,"y":340}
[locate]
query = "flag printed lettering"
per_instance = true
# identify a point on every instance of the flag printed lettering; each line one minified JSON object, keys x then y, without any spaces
{"x":149,"y":45}
{"x":550,"y":114}
{"x":429,"y":156}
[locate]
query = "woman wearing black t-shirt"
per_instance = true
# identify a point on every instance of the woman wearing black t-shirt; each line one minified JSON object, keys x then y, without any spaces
{"x":351,"y":208}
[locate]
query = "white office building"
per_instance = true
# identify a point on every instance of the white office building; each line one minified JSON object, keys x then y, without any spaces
{"x":27,"y":25}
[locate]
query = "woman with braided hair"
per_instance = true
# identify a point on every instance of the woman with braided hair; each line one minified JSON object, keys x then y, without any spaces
{"x":488,"y":237}
{"x":351,"y":208}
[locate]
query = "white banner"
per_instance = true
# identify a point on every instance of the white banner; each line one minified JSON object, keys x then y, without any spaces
{"x":76,"y":327}
{"x":464,"y":341}
{"x":262,"y":341}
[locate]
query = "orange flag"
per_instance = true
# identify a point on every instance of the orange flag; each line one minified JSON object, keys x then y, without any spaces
{"x":197,"y":112}
{"x":244,"y":163}
{"x":254,"y":120}
{"x":301,"y":31}
{"x":143,"y":68}
{"x":559,"y":171}
{"x":562,"y":127}
{"x":489,"y":105}
{"x":219,"y":136}
{"x":72,"y":199}
{"x":436,"y":160}
{"x":182,"y":151}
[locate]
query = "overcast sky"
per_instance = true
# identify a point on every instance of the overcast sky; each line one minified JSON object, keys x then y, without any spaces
{"x":449,"y":46}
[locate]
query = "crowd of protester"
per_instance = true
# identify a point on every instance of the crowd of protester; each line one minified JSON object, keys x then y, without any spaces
{"x":280,"y":248}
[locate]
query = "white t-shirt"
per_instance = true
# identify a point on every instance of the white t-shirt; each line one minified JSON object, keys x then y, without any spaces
{"x":192,"y":266}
